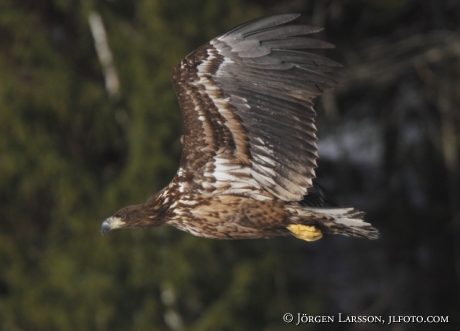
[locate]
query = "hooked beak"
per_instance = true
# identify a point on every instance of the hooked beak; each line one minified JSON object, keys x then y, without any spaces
{"x":110,"y":224}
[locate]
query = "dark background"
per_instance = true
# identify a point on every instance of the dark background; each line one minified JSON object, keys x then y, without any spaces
{"x":73,"y":152}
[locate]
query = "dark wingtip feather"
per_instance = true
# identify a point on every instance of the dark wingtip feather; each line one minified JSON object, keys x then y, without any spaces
{"x":318,"y":197}
{"x":261,"y":23}
{"x":294,"y":43}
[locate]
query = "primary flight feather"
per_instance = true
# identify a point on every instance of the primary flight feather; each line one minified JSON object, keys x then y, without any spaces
{"x":249,"y":141}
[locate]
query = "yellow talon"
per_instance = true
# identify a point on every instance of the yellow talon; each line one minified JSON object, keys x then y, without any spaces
{"x":305,"y":232}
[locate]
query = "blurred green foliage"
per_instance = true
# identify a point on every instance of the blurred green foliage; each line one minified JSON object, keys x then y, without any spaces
{"x":70,"y":156}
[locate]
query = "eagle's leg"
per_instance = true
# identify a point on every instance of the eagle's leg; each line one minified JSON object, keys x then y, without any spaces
{"x":305,"y":232}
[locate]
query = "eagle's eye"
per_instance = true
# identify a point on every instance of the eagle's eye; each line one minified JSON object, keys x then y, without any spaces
{"x":123,"y":216}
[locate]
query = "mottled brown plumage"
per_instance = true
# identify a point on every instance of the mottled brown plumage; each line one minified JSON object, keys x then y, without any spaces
{"x":249,"y":141}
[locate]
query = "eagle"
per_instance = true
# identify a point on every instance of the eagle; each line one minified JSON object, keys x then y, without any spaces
{"x":249,"y":141}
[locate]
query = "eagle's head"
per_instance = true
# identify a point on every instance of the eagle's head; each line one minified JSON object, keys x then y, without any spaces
{"x":132,"y":217}
{"x":127,"y":217}
{"x":146,"y":215}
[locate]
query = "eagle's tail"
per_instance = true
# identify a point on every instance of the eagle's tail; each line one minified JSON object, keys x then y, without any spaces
{"x":313,"y":221}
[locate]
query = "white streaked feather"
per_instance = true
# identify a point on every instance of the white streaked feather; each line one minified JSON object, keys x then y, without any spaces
{"x":267,"y":181}
{"x":330,"y":211}
{"x":264,"y":159}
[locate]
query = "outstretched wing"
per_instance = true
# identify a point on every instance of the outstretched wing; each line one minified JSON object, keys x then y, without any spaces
{"x":248,"y":117}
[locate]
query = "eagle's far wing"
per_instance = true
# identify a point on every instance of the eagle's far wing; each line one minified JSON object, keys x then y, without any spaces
{"x":248,"y":117}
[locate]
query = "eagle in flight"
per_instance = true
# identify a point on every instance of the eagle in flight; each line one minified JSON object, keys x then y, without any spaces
{"x":249,"y":141}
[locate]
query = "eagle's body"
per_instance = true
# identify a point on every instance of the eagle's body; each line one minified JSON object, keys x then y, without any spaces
{"x":249,"y":142}
{"x":232,"y":217}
